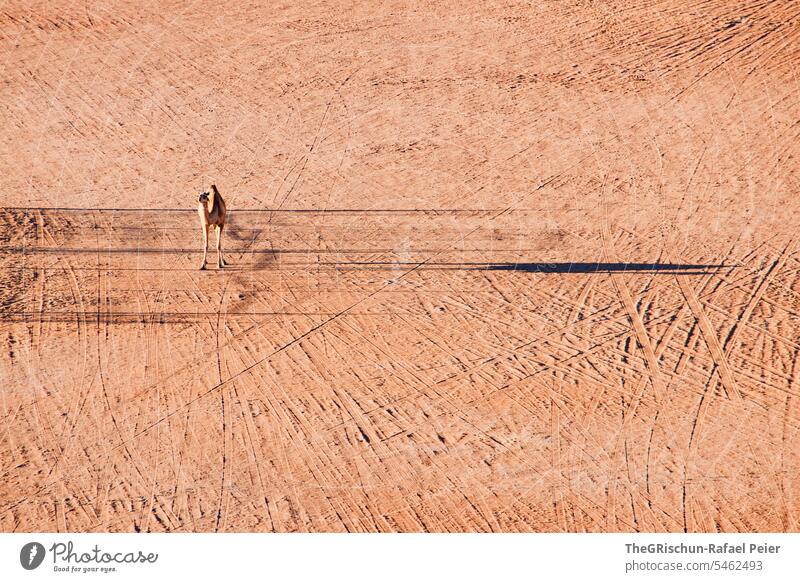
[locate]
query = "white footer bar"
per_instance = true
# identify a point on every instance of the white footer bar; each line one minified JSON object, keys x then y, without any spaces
{"x":405,"y":557}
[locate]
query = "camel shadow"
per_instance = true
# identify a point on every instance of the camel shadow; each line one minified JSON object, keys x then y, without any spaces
{"x":539,"y":267}
{"x":260,"y":258}
{"x":583,"y":268}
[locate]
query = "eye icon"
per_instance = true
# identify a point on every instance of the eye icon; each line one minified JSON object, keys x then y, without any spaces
{"x":31,"y":555}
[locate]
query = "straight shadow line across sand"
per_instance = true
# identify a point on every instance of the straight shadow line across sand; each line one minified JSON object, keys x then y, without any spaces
{"x":538,"y":267}
{"x":163,"y":317}
{"x":602,"y":267}
{"x":542,"y":268}
{"x":26,"y":209}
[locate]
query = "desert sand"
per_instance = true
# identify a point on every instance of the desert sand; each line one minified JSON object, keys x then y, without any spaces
{"x":530,"y":267}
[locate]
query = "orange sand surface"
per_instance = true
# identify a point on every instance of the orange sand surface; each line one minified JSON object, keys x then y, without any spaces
{"x":525,"y":266}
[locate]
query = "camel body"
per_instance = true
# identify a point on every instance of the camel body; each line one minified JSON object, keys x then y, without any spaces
{"x":212,"y":212}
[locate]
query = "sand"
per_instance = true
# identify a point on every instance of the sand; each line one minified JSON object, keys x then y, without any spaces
{"x":519,"y":268}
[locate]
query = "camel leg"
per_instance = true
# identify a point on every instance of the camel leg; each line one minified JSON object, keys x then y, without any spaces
{"x":220,"y":261}
{"x":224,"y":262}
{"x":205,"y":246}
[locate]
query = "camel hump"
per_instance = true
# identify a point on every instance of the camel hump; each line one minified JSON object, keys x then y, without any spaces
{"x":219,"y":201}
{"x":213,"y":204}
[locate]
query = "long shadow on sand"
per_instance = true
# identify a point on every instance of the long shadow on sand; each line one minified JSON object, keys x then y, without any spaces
{"x":543,"y":268}
{"x":602,"y":267}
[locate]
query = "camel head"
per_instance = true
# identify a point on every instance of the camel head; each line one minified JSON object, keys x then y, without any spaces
{"x":205,"y":194}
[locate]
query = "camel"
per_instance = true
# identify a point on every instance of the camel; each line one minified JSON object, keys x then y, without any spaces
{"x":212,"y":211}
